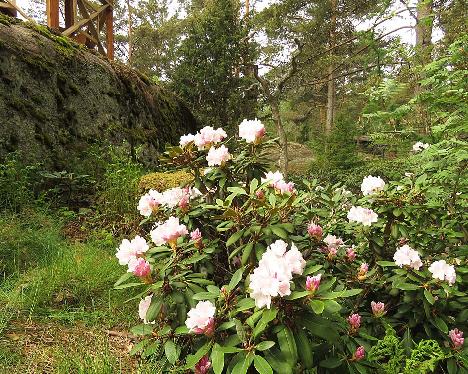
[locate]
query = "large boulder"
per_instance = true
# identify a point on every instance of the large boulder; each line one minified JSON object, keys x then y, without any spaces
{"x":58,"y":99}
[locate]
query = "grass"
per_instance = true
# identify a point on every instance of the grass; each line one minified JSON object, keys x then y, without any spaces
{"x":57,"y":305}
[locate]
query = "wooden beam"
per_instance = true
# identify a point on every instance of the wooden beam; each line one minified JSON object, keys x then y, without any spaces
{"x":110,"y":34}
{"x":84,"y":22}
{"x":70,"y":13}
{"x":53,"y":20}
{"x":17,"y":8}
{"x":91,"y":27}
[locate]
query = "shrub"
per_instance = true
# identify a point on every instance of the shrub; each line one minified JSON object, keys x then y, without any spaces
{"x":276,"y":278}
{"x":162,"y":181}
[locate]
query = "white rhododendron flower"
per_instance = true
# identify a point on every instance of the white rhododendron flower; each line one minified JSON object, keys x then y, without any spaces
{"x":371,"y":185}
{"x":332,"y":241}
{"x":209,"y":136}
{"x":143,"y":308}
{"x":276,"y":180}
{"x":443,"y":271}
{"x":362,"y":215}
{"x":218,"y":156}
{"x":129,"y":250}
{"x":172,"y":197}
{"x":168,"y":232}
{"x":419,"y":146}
{"x":251,"y":130}
{"x":274,"y":272}
{"x":186,"y":139}
{"x":407,"y":256}
{"x":149,"y":201}
{"x":200,"y":319}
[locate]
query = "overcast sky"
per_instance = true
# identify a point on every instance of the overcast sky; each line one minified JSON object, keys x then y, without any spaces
{"x":407,"y":35}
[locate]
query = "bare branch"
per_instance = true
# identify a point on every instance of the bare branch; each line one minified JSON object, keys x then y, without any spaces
{"x":293,"y":66}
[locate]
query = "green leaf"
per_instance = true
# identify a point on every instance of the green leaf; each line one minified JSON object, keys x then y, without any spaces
{"x":312,"y":269}
{"x":278,"y":231}
{"x":246,"y":253}
{"x":287,"y":344}
{"x":297,"y":295}
{"x":440,"y":324}
{"x":331,"y":362}
{"x":154,"y":309}
{"x":386,"y":263}
{"x":225,"y":326}
{"x":204,"y":296}
{"x":267,"y":316}
{"x":332,"y":306}
{"x":171,"y":351}
{"x":235,"y":279}
{"x":217,"y":359}
{"x":234,"y":238}
{"x":262,"y":365}
{"x":263,"y":346}
{"x":193,"y":359}
{"x":253,"y":185}
{"x":338,"y":294}
{"x":244,"y":304}
{"x":128,"y":285}
{"x":429,"y":297}
{"x":139,"y":346}
{"x":317,"y":306}
{"x":242,"y":366}
{"x":142,"y":329}
{"x":406,"y":286}
{"x":123,"y":278}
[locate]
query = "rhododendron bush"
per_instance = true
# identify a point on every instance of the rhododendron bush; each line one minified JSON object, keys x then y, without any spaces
{"x":244,"y":271}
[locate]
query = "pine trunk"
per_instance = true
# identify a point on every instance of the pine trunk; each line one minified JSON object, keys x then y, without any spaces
{"x":331,"y":94}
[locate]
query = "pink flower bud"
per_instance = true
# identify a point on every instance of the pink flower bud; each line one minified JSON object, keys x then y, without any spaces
{"x":354,"y":321}
{"x":140,"y":267}
{"x":196,"y":235}
{"x":378,"y":308}
{"x":203,"y":366}
{"x":208,"y":330}
{"x":260,"y":194}
{"x":457,"y":338}
{"x":363,"y":269}
{"x":313,"y":283}
{"x":359,"y":354}
{"x":351,"y":255}
{"x":332,"y":253}
{"x":314,"y":230}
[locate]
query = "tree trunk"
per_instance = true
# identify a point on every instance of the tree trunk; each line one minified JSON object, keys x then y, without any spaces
{"x":423,"y":49}
{"x":283,"y":140}
{"x":130,"y":34}
{"x":331,"y":94}
{"x":423,"y":30}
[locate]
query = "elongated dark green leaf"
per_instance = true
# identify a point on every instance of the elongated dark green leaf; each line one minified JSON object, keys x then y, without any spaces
{"x":154,"y":309}
{"x":246,"y":253}
{"x":122,"y":279}
{"x":262,"y":346}
{"x":280,"y":232}
{"x":287,"y":344}
{"x":234,"y":238}
{"x":262,"y":365}
{"x":331,"y":362}
{"x":242,"y":366}
{"x":171,"y":351}
{"x":244,"y":304}
{"x":193,"y":359}
{"x":317,"y":306}
{"x":236,"y":277}
{"x":429,"y":297}
{"x":142,"y":329}
{"x":217,"y":359}
{"x":205,"y":296}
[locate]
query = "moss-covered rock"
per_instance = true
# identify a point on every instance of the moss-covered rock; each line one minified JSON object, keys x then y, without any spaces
{"x":164,"y":181}
{"x":57,"y":99}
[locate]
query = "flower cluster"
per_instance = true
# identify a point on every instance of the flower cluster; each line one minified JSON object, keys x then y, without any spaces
{"x":218,"y":156}
{"x":130,"y":252}
{"x":275,"y":270}
{"x":170,"y":198}
{"x":362,"y":215}
{"x":407,"y":256}
{"x":276,"y":180}
{"x":354,"y":321}
{"x":442,"y":271}
{"x":252,"y":131}
{"x":378,"y":309}
{"x":313,"y":283}
{"x":419,"y":146}
{"x":201,"y":318}
{"x":205,"y":138}
{"x":359,"y":354}
{"x":168,"y":232}
{"x":314,"y":230}
{"x":372,"y":185}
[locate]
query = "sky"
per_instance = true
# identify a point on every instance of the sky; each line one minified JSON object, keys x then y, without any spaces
{"x":405,"y":19}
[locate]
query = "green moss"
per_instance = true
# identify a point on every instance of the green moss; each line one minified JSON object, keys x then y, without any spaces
{"x":8,"y":21}
{"x":164,"y":181}
{"x":25,"y":107}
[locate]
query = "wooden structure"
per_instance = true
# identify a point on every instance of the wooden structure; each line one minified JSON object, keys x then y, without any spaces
{"x":84,"y":21}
